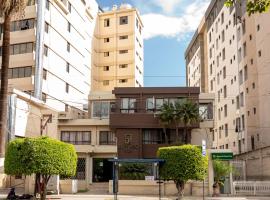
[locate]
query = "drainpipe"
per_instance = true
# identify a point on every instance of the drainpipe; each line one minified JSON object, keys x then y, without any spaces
{"x":39,"y":49}
{"x":12,"y":101}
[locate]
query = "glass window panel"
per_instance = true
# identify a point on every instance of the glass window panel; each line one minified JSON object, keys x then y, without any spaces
{"x":125,"y":103}
{"x":11,"y":47}
{"x":86,"y":137}
{"x":150,"y":103}
{"x":159,"y":103}
{"x":21,"y":72}
{"x":15,"y":73}
{"x":96,"y":110}
{"x":9,"y":73}
{"x":105,"y":109}
{"x":23,"y":48}
{"x":72,"y":137}
{"x":132,"y":103}
{"x":28,"y":71}
{"x":16,"y":49}
{"x":29,"y":47}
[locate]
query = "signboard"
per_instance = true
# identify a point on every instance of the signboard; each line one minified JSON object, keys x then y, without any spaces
{"x":222,"y":156}
{"x":203,"y":148}
{"x":149,"y":178}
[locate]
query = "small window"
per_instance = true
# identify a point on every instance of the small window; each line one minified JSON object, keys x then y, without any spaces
{"x":106,"y":68}
{"x":106,"y":54}
{"x":254,"y":111}
{"x":106,"y":22}
{"x":123,"y":81}
{"x":66,"y":108}
{"x":45,"y":51}
{"x":258,"y":27}
{"x":123,"y":66}
{"x":106,"y":82}
{"x":47,"y":4}
{"x":44,"y":74}
{"x":123,"y":20}
{"x":67,"y":67}
{"x":260,"y":53}
{"x":253,"y":85}
{"x":67,"y":87}
{"x":68,"y":46}
{"x":250,"y":37}
{"x":123,"y":37}
{"x":69,"y":27}
{"x":123,"y":51}
{"x":106,"y":40}
{"x":69,"y":7}
{"x":46,"y":27}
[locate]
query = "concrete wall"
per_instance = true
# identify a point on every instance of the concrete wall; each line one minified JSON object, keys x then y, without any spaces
{"x":141,"y":187}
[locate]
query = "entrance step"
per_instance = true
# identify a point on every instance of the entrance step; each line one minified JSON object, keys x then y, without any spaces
{"x":99,"y":188}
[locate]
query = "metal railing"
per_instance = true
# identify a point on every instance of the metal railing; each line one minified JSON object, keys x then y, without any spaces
{"x":251,"y":188}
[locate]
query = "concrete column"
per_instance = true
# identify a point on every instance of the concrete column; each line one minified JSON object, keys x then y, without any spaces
{"x":89,"y":170}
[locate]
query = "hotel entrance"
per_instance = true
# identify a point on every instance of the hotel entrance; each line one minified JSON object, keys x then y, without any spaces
{"x":102,"y":170}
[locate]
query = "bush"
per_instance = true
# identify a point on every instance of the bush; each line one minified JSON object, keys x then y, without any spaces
{"x":182,"y":163}
{"x":42,"y":156}
{"x":134,"y":171}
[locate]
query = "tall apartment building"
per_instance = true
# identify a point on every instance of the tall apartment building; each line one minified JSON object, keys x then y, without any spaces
{"x":118,"y":49}
{"x":228,"y":57}
{"x":51,"y":51}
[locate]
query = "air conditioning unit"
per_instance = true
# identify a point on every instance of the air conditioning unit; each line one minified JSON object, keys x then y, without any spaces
{"x":65,"y":115}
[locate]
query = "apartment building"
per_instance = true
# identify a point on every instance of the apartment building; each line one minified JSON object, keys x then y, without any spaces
{"x":228,"y":57}
{"x":118,"y":49}
{"x":51,"y":51}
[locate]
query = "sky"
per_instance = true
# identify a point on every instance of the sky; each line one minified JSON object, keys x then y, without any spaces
{"x":168,"y":28}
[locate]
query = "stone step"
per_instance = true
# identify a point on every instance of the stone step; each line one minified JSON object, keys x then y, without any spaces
{"x":98,"y":188}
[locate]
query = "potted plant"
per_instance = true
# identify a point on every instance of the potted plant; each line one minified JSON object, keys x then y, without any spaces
{"x":221,"y":170}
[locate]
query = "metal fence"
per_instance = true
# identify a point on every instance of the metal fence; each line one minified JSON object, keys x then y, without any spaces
{"x":251,"y":188}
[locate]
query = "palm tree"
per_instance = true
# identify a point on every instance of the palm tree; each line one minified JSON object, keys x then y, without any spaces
{"x":167,"y":117}
{"x":187,"y":112}
{"x":8,"y":8}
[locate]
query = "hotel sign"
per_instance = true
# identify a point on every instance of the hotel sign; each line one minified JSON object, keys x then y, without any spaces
{"x":222,"y":156}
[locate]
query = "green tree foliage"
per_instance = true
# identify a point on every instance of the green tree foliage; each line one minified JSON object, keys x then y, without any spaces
{"x":42,"y":156}
{"x":182,"y":163}
{"x":221,"y":170}
{"x":253,"y":6}
{"x":185,"y":112}
{"x":134,"y":171}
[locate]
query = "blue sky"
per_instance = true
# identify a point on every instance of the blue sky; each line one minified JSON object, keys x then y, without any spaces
{"x":168,"y":27}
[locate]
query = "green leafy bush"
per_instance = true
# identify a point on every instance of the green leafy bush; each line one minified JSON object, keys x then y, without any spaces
{"x":182,"y":163}
{"x":134,"y":171}
{"x":42,"y":156}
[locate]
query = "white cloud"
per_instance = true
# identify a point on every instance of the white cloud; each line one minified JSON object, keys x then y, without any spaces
{"x":106,"y":8}
{"x":167,"y":5}
{"x":167,"y":26}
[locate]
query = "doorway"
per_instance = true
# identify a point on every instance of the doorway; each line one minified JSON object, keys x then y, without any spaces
{"x":102,"y":170}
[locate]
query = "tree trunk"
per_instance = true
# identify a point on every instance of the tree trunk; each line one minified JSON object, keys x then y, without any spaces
{"x":180,"y":186}
{"x":4,"y":83}
{"x":45,"y":180}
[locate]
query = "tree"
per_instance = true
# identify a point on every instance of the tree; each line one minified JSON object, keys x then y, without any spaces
{"x":187,"y":112}
{"x":8,"y":8}
{"x":221,"y":169}
{"x":167,"y":118}
{"x":253,"y":6}
{"x":182,"y":163}
{"x":43,"y":156}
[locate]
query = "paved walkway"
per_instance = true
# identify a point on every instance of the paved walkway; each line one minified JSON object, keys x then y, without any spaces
{"x":126,"y":197}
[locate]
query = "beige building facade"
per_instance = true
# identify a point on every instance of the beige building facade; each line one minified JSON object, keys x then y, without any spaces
{"x":118,"y":49}
{"x":51,"y":51}
{"x":235,"y":67}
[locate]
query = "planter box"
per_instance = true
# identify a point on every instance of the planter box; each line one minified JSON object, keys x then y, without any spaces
{"x":68,"y":186}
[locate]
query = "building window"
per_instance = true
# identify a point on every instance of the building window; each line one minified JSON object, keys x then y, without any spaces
{"x":69,"y":26}
{"x":252,"y":143}
{"x":76,"y":137}
{"x":106,"y":54}
{"x":47,"y":4}
{"x":226,"y":130}
{"x":106,"y":138}
{"x":225,"y":110}
{"x":223,"y":36}
{"x":128,"y":105}
{"x":67,"y":87}
{"x":100,"y":109}
{"x":106,"y":68}
{"x":106,"y":82}
{"x":237,"y":102}
{"x":254,"y":111}
{"x":106,"y":40}
{"x":66,"y":108}
{"x":223,"y":54}
{"x":224,"y":72}
{"x":69,"y":7}
{"x":240,"y":77}
{"x":123,"y":66}
{"x":46,"y":27}
{"x":123,"y":80}
{"x":123,"y":37}
{"x":225,"y":91}
{"x":19,"y":72}
{"x":123,"y":51}
{"x":45,"y":51}
{"x":243,"y":122}
{"x":67,"y":67}
{"x":241,"y":99}
{"x":260,"y":53}
{"x":245,"y":49}
{"x":222,"y":18}
{"x":106,"y":22}
{"x":44,"y":97}
{"x":253,"y":85}
{"x":250,"y":37}
{"x":123,"y":20}
{"x":44,"y":74}
{"x":68,"y":46}
{"x":258,"y":27}
{"x":245,"y":73}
